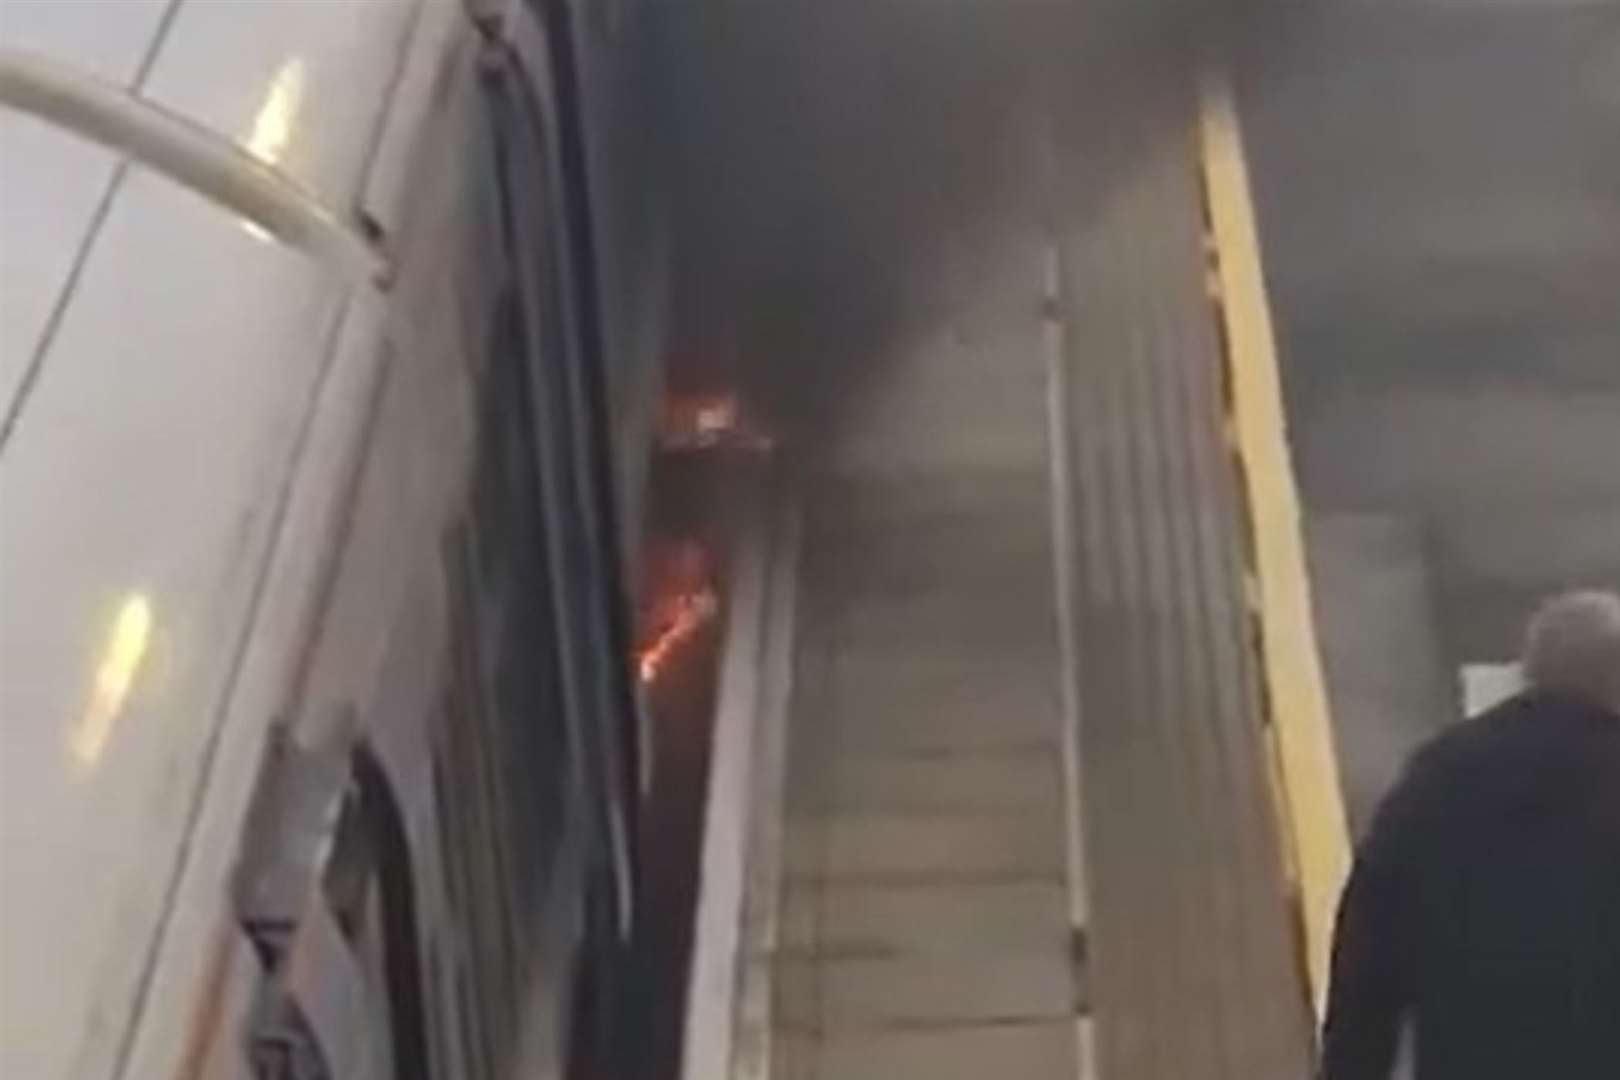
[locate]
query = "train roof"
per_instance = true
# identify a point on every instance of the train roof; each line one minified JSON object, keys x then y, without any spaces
{"x":159,"y":357}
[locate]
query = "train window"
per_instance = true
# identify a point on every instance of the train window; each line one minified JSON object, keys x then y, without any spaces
{"x":439,"y":1052}
{"x":552,"y":268}
{"x":478,"y":1053}
{"x":502,"y":768}
{"x":519,"y":648}
{"x":449,"y":859}
{"x":483,"y":258}
{"x":463,"y":806}
{"x":526,"y":593}
{"x":538,"y":238}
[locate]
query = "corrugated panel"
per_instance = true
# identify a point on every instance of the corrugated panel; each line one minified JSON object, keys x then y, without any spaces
{"x":1195,"y":973}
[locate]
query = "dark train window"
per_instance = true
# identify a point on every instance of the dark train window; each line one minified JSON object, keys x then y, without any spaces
{"x":504,"y":769}
{"x":448,"y":835}
{"x":539,"y":239}
{"x":472,"y":1031}
{"x":439,"y":1055}
{"x":517,"y":645}
{"x":465,"y":806}
{"x":523,"y":701}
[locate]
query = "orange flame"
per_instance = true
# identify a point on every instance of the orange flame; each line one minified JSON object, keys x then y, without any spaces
{"x":692,"y":611}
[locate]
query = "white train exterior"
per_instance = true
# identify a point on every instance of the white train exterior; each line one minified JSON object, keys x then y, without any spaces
{"x":316,"y":735}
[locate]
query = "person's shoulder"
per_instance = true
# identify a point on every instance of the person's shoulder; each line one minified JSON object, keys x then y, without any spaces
{"x":1481,"y":738}
{"x":1522,"y":724}
{"x":1443,"y":777}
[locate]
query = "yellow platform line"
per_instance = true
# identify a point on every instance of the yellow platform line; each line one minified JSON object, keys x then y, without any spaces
{"x":1313,"y":803}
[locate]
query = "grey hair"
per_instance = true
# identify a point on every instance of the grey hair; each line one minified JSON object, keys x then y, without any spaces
{"x":1574,"y":647}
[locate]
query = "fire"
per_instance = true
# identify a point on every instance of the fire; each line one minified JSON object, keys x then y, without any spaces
{"x":692,"y":611}
{"x":709,"y":421}
{"x":681,"y":600}
{"x":715,"y":418}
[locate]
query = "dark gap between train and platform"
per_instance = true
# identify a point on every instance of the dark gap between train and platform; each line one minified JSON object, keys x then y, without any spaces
{"x":707,"y":462}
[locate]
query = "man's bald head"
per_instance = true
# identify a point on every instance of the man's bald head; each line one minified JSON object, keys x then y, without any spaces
{"x":1574,"y":648}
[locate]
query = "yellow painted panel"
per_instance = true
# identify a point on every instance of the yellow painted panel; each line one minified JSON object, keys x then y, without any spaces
{"x":1313,"y":802}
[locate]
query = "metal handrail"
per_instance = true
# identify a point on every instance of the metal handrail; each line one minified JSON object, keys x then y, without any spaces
{"x":187,"y":153}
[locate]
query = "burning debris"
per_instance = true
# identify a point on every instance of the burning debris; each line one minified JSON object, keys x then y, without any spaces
{"x":682,"y":601}
{"x":692,"y":612}
{"x":709,"y":422}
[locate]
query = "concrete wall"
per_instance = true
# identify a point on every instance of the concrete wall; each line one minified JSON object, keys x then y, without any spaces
{"x":1387,"y":673}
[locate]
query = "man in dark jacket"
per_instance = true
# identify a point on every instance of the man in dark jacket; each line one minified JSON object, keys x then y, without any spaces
{"x":1484,"y":907}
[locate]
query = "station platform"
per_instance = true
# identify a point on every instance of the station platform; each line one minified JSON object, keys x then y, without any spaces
{"x":996,"y":787}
